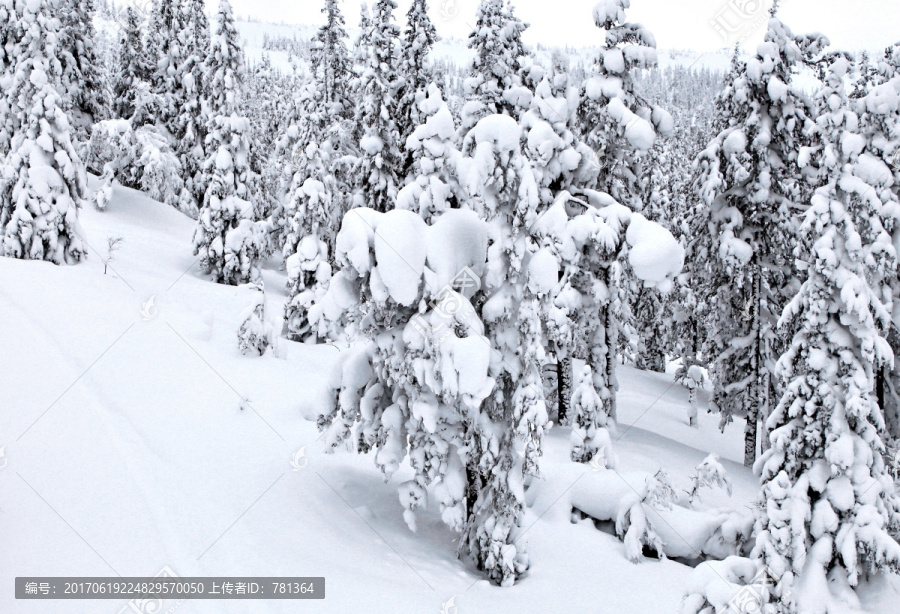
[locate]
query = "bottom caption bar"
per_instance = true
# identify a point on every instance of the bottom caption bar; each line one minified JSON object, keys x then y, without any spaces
{"x":170,"y":588}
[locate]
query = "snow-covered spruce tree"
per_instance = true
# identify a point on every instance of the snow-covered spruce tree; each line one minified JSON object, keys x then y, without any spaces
{"x":84,"y":95}
{"x":43,"y":181}
{"x":226,"y":238}
{"x":8,"y":38}
{"x":191,"y":115}
{"x":748,"y":178}
{"x":317,"y":195}
{"x":415,"y":71}
{"x":473,"y":411}
{"x":330,"y":59}
{"x":828,"y":503}
{"x":561,"y":163}
{"x":164,"y":55}
{"x":266,"y":90}
{"x":621,"y":127}
{"x":380,"y":159}
{"x":132,"y":67}
{"x":433,"y":186}
{"x":615,"y":122}
{"x":315,"y":132}
{"x":876,"y":99}
{"x":494,"y":82}
{"x":592,"y":238}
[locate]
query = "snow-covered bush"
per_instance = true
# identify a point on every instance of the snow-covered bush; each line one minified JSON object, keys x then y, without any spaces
{"x":140,"y":159}
{"x":648,"y":513}
{"x":256,"y":334}
{"x":735,"y":584}
{"x":229,"y":242}
{"x":625,"y":499}
{"x":309,"y":272}
{"x":709,"y":473}
{"x":694,"y":378}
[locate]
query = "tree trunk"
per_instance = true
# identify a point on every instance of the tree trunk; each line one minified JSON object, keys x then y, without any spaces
{"x":755,"y":397}
{"x":563,"y":388}
{"x":612,"y":353}
{"x":472,"y":488}
{"x":750,"y":440}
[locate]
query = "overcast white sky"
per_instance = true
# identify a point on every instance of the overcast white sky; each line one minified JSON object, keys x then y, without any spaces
{"x":677,"y":24}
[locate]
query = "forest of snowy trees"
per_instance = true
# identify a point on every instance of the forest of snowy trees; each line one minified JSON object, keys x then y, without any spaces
{"x":494,"y":240}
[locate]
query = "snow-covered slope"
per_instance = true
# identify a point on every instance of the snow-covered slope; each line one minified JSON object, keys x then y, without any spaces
{"x":136,"y":436}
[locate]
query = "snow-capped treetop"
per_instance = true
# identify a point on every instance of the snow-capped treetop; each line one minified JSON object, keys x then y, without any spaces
{"x":380,"y":158}
{"x":224,"y":64}
{"x":495,"y":83}
{"x":433,"y":185}
{"x":599,"y":232}
{"x":617,"y":123}
{"x":330,"y":60}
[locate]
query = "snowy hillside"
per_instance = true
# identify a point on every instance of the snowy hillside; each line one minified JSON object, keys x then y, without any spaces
{"x":353,"y":314}
{"x":142,"y":439}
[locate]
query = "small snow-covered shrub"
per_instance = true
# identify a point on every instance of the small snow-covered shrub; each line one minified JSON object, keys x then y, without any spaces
{"x":693,"y":377}
{"x":710,"y":472}
{"x":308,"y":272}
{"x":245,"y":247}
{"x":229,"y":243}
{"x":625,"y":499}
{"x":255,"y":334}
{"x":647,"y":512}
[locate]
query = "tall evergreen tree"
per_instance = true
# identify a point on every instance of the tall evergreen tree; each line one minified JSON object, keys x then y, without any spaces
{"x":226,"y":238}
{"x":132,"y":69}
{"x":318,"y":189}
{"x":330,"y":60}
{"x":876,"y":100}
{"x":164,"y":54}
{"x":617,"y":123}
{"x":829,"y":505}
{"x":749,"y":179}
{"x":43,"y":181}
{"x":419,"y":37}
{"x":192,"y":113}
{"x":380,"y":159}
{"x":9,"y":34}
{"x":494,"y":83}
{"x":83,"y":91}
